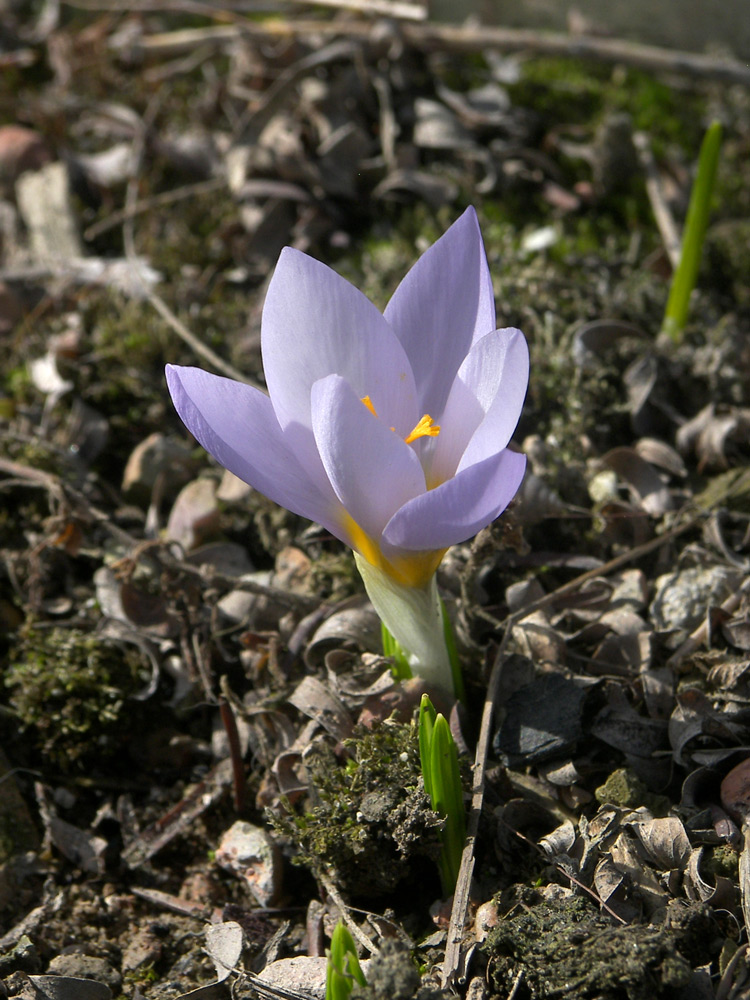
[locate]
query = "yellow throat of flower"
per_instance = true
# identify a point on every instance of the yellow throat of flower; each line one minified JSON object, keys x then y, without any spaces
{"x":412,"y":569}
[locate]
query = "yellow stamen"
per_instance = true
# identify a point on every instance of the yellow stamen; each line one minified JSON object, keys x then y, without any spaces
{"x":425,"y":428}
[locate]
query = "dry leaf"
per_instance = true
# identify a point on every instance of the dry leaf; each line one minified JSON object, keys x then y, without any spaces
{"x":224,"y":943}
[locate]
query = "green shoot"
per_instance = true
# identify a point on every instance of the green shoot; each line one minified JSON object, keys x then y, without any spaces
{"x":684,"y":278}
{"x":427,"y":716}
{"x":343,"y":968}
{"x":393,"y":648}
{"x":442,"y":781}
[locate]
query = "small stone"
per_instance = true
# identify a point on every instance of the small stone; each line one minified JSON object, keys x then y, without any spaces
{"x":237,"y":606}
{"x":683,"y":597}
{"x":143,"y":948}
{"x":232,"y":489}
{"x":23,"y":957}
{"x":302,"y":975}
{"x":249,"y":852}
{"x":154,"y":455}
{"x":80,"y":966}
{"x":485,"y":919}
{"x":195,"y":514}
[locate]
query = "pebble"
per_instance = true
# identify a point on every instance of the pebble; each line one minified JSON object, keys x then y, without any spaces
{"x":249,"y":852}
{"x":78,"y":966}
{"x":302,"y":974}
{"x":682,"y":597}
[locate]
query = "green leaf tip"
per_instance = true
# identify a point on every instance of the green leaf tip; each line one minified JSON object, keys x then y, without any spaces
{"x":696,"y":223}
{"x":343,"y":968}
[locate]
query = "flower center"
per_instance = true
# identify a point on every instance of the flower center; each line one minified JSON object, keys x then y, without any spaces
{"x":425,"y":427}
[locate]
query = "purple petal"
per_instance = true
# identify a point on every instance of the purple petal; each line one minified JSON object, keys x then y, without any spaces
{"x":370,"y":467}
{"x":501,"y":381}
{"x":458,"y":508}
{"x":316,"y":324}
{"x":236,"y":424}
{"x":441,"y":307}
{"x":484,"y":404}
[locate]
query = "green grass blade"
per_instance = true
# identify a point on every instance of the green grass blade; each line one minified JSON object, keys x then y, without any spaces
{"x":684,"y":278}
{"x":447,"y":800}
{"x":427,"y":716}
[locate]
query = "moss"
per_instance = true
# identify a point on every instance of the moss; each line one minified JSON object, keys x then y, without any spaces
{"x":722,"y":861}
{"x":573,"y":90}
{"x":565,"y":948}
{"x":69,"y":690}
{"x":392,"y":974}
{"x":370,"y":815}
{"x":625,"y":789}
{"x":334,"y":576}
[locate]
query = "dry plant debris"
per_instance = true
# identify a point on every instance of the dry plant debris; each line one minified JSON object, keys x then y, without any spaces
{"x":205,"y":761}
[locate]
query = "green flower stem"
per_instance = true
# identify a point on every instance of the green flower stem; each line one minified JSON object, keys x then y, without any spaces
{"x":684,"y":278}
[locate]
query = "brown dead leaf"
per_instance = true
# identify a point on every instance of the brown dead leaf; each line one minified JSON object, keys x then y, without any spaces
{"x":715,"y":434}
{"x":665,"y":841}
{"x":314,"y":700}
{"x":662,"y":455}
{"x":613,"y":888}
{"x":737,"y":631}
{"x":628,"y":859}
{"x":224,"y":943}
{"x":721,"y":895}
{"x":593,"y":340}
{"x":645,"y":484}
{"x":355,"y":628}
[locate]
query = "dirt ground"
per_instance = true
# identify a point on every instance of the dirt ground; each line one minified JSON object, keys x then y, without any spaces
{"x":204,"y":758}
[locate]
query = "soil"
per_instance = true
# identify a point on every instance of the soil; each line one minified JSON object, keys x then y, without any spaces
{"x":180,"y":656}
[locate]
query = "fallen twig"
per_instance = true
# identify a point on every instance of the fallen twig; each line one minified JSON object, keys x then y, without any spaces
{"x":343,"y":909}
{"x":467,"y":39}
{"x":471,"y":38}
{"x":235,"y":754}
{"x":396,"y":9}
{"x":452,"y":963}
{"x":665,"y":222}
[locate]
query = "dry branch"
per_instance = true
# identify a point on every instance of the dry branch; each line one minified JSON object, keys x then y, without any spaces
{"x":468,"y":39}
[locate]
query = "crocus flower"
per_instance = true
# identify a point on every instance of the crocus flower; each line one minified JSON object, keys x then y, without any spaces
{"x":389,"y":429}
